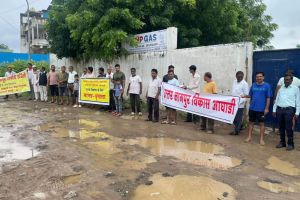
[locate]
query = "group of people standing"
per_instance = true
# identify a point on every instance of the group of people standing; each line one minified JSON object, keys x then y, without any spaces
{"x":286,"y":101}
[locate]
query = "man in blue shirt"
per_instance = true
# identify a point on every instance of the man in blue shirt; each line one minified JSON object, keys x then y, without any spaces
{"x":260,"y":94}
{"x":286,"y":108}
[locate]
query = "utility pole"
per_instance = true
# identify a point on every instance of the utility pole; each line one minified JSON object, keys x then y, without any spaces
{"x":29,"y":35}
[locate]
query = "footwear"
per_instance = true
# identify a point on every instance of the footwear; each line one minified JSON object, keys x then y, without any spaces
{"x":248,"y":140}
{"x":210,"y":132}
{"x":155,"y":121}
{"x":233,"y":133}
{"x":165,"y":122}
{"x":132,"y":113}
{"x":188,"y":121}
{"x":280,"y":145}
{"x":75,"y":106}
{"x":173,"y":123}
{"x":148,"y":120}
{"x":290,"y":148}
{"x":140,"y":114}
{"x":79,"y":106}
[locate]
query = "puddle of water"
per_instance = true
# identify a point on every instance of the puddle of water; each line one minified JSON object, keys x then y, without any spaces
{"x":89,"y":123}
{"x":71,"y":180}
{"x":282,"y":166}
{"x":184,"y":188}
{"x":12,"y":150}
{"x":195,"y":152}
{"x":276,"y":187}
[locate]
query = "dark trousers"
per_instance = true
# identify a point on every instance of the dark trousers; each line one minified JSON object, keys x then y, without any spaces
{"x":112,"y":105}
{"x":153,"y":107}
{"x":238,"y":120}
{"x":192,"y":118}
{"x":135,"y":103}
{"x":209,"y":122}
{"x":285,"y":119}
{"x":31,"y":92}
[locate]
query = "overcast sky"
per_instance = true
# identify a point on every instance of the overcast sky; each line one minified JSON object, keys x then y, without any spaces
{"x":284,"y":13}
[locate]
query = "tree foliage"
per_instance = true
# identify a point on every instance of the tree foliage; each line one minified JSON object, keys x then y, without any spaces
{"x":21,"y":65}
{"x":5,"y":48}
{"x":85,"y":29}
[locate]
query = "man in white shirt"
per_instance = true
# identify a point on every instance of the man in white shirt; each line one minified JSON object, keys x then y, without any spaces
{"x":240,"y":88}
{"x":152,"y":96}
{"x":135,"y":90}
{"x":10,"y":73}
{"x":110,"y":76}
{"x":194,"y":85}
{"x":287,"y":109}
{"x":296,"y":81}
{"x":71,"y":80}
{"x":30,"y":77}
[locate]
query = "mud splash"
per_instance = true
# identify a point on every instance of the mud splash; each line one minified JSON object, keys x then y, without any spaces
{"x":277,"y":187}
{"x":184,"y":188}
{"x":195,"y":152}
{"x":282,"y":167}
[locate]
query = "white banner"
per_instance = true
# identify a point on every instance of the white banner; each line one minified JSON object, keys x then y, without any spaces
{"x":218,"y":107}
{"x":152,"y":41}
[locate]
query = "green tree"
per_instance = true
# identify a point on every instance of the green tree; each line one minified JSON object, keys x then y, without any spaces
{"x":5,"y":48}
{"x":298,"y":46}
{"x":85,"y":29}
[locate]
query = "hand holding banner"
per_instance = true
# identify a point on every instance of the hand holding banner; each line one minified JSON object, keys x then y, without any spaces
{"x":17,"y":83}
{"x":218,"y":107}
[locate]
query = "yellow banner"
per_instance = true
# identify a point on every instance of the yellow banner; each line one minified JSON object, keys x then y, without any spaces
{"x":17,"y":83}
{"x":94,"y":91}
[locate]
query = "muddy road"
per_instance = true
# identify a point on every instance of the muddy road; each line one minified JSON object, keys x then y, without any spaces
{"x":51,"y":152}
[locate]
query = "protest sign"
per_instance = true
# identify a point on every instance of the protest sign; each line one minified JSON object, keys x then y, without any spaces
{"x":94,"y":91}
{"x":17,"y":83}
{"x":218,"y":107}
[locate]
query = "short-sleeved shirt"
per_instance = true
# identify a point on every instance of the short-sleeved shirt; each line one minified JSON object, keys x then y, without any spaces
{"x":110,"y":76}
{"x":174,"y":82}
{"x":76,"y":85}
{"x":9,"y":74}
{"x":210,"y":88}
{"x":63,"y":77}
{"x":296,"y":82}
{"x":71,"y":77}
{"x":153,"y":87}
{"x":166,"y":78}
{"x":118,"y":90}
{"x":119,"y":75}
{"x":52,"y":77}
{"x":259,"y":94}
{"x":134,"y":82}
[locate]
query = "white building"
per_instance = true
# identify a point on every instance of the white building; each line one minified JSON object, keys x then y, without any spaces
{"x":38,"y":35}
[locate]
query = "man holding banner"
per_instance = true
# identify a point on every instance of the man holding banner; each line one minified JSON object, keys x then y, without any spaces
{"x":8,"y":74}
{"x":209,"y":88}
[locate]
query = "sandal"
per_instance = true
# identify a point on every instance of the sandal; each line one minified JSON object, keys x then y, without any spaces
{"x":165,"y":122}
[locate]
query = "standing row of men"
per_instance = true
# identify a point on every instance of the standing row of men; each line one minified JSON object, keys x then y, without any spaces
{"x":286,"y":105}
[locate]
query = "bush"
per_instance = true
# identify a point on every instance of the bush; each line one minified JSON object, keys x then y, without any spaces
{"x":21,"y":65}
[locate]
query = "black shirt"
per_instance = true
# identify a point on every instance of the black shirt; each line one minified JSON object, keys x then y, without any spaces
{"x":166,"y":78}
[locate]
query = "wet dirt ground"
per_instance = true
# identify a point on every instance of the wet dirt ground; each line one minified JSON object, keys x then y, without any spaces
{"x":59,"y":152}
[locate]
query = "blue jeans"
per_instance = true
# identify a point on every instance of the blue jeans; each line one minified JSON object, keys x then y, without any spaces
{"x":119,"y":104}
{"x":285,"y":119}
{"x":238,"y":120}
